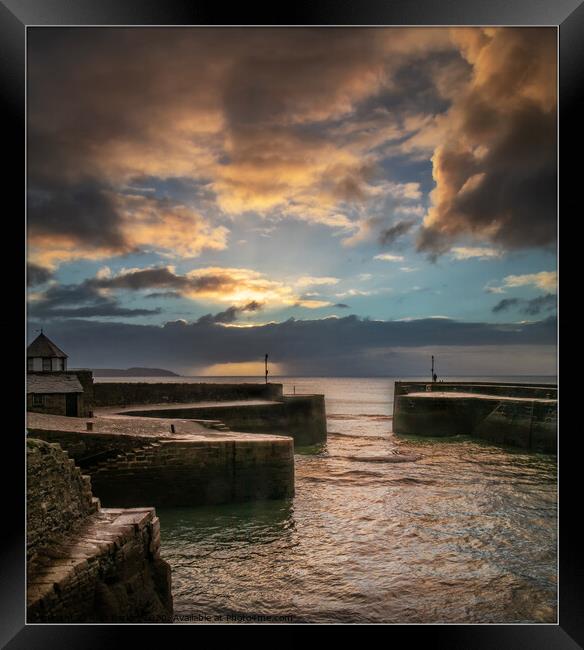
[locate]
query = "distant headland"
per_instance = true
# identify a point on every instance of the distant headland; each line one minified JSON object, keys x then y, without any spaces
{"x":133,"y":372}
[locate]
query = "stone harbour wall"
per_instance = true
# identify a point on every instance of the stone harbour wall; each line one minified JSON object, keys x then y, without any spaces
{"x":109,"y":571}
{"x":530,"y":424}
{"x":525,"y":422}
{"x":58,"y":496}
{"x":123,"y":393}
{"x":88,"y":564}
{"x":197,"y":472}
{"x":534,"y":391}
{"x":89,"y":448}
{"x":132,"y":471}
{"x":301,"y":416}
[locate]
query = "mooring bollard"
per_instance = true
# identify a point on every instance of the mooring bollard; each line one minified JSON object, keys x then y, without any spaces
{"x":172,"y":428}
{"x":89,"y":426}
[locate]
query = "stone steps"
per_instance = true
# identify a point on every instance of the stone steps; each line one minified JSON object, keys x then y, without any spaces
{"x":134,"y":455}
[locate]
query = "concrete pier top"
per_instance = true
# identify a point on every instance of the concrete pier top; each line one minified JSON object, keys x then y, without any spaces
{"x":140,"y":426}
{"x":109,"y":411}
{"x":498,"y":398}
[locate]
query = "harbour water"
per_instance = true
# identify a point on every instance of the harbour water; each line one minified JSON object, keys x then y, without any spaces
{"x":382,"y":528}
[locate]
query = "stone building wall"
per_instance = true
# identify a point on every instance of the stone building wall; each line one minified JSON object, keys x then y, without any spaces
{"x":52,"y":403}
{"x":87,"y":399}
{"x":56,"y":404}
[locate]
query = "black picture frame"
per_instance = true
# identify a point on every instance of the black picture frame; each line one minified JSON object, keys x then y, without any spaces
{"x":16,"y":15}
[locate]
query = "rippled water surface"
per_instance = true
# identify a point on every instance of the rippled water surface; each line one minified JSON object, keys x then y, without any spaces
{"x":382,"y":529}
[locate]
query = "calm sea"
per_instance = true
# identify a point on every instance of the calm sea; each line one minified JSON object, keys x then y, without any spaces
{"x":467,"y":533}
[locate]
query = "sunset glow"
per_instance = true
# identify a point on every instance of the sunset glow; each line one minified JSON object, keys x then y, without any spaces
{"x":306,"y":178}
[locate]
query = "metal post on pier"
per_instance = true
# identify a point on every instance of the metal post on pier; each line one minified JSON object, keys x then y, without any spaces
{"x":266,"y":362}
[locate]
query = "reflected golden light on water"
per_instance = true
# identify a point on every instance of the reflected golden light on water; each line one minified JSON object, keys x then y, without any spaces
{"x":382,"y":528}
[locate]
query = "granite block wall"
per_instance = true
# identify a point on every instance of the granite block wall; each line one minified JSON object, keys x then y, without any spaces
{"x":58,"y":496}
{"x":302,"y":416}
{"x":121,"y":393}
{"x":86,"y":564}
{"x":197,"y":472}
{"x":526,"y":423}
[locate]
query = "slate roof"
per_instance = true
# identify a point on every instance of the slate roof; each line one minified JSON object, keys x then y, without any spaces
{"x":53,"y":383}
{"x":44,"y":347}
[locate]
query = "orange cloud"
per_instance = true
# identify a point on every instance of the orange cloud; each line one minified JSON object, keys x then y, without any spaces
{"x":228,"y":106}
{"x":177,"y":229}
{"x":235,"y":286}
{"x":143,"y":223}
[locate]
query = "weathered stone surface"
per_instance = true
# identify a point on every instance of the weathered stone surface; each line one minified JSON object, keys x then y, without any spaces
{"x":194,"y":472}
{"x":183,"y":469}
{"x":87,"y":564}
{"x":58,"y":496}
{"x":520,"y":415}
{"x":301,"y":416}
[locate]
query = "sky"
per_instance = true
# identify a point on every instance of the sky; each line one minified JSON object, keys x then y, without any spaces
{"x":348,"y":200}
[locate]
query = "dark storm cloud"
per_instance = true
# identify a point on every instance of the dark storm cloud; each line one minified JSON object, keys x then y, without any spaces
{"x":142,"y":279}
{"x":389,"y":236}
{"x":80,"y":301}
{"x":342,"y":305}
{"x":304,"y":346}
{"x":109,"y":308}
{"x":163,"y":277}
{"x":163,"y":294}
{"x":83,"y":213}
{"x":531,"y":307}
{"x":36,"y":275}
{"x":496,"y":170}
{"x":540,"y":304}
{"x":505,"y":304}
{"x":92,"y":296}
{"x":230,"y":315}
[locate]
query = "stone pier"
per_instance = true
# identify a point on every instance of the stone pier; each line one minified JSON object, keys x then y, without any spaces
{"x":134,"y":461}
{"x":521,"y":415}
{"x":303,"y":417}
